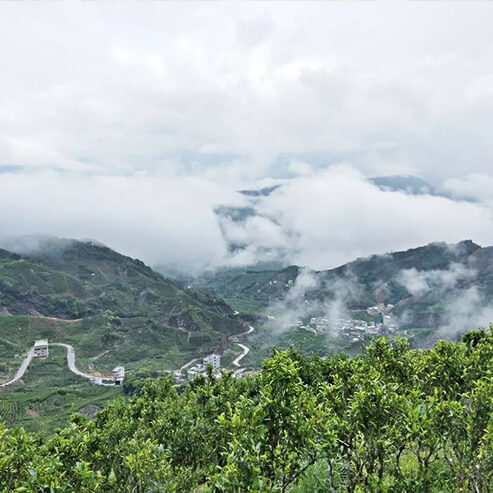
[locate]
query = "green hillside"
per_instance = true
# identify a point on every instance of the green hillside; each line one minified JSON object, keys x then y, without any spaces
{"x":82,"y":282}
{"x":368,"y":281}
{"x":113,"y":309}
{"x":78,"y":279}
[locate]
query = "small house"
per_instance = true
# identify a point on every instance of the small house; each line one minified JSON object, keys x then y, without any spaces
{"x":41,"y":348}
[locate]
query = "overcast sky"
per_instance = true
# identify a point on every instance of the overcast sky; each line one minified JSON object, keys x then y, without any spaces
{"x":129,"y":122}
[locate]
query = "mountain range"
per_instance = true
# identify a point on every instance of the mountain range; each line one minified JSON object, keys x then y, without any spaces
{"x":116,"y":310}
{"x":426,"y":285}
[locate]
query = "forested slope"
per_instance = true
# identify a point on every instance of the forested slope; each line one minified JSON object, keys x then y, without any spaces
{"x":73,"y":279}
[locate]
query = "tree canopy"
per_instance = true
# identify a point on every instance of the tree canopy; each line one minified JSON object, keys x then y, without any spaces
{"x":393,"y":419}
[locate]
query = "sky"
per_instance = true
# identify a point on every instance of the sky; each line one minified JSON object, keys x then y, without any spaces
{"x":129,"y":123}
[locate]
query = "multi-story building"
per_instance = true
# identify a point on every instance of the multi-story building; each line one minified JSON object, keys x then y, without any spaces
{"x":214,"y":360}
{"x":118,"y":374}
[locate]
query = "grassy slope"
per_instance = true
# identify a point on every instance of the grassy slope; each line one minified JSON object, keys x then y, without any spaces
{"x":84,"y":280}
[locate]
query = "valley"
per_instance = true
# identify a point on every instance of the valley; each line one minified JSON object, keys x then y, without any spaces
{"x":110,"y":310}
{"x":246,"y":247}
{"x":423,"y":286}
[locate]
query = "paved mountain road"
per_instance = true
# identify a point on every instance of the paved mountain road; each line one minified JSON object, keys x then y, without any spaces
{"x":98,"y":380}
{"x":71,"y":366}
{"x":246,"y":350}
{"x":70,"y":363}
{"x":22,"y":369}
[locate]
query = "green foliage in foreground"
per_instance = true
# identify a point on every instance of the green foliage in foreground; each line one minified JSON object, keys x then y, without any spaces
{"x":391,"y":420}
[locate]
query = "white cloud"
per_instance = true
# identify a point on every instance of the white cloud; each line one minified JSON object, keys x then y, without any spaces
{"x":335,"y":216}
{"x":156,"y":112}
{"x":167,"y":220}
{"x":475,"y":186}
{"x":321,"y":220}
{"x":468,"y":310}
{"x":123,"y":87}
{"x":418,"y":282}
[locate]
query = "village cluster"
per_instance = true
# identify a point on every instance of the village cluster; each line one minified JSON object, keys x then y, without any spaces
{"x":355,"y":329}
{"x":41,"y":350}
{"x":199,"y":368}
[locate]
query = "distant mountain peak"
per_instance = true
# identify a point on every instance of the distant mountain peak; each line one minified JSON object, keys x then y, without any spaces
{"x":412,"y":185}
{"x":262,"y":192}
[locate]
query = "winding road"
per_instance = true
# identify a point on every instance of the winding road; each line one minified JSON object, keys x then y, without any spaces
{"x":249,"y":331}
{"x":186,"y":365}
{"x":246,"y":350}
{"x":22,"y":369}
{"x":99,"y":380}
{"x":70,"y":363}
{"x":71,"y":366}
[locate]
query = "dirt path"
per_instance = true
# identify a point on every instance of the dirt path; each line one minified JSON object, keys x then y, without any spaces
{"x":69,"y":321}
{"x":100,"y":355}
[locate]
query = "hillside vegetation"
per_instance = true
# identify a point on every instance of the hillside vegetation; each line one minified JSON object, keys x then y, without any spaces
{"x":442,"y":275}
{"x":114,"y":303}
{"x":73,"y":279}
{"x":113,"y":309}
{"x":393,"y":419}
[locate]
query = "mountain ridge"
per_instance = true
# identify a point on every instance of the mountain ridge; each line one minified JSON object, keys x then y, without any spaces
{"x":438,"y":270}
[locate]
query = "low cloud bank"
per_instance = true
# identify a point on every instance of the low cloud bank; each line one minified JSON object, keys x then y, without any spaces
{"x":333,"y":216}
{"x":468,"y":309}
{"x":320,"y":220}
{"x":298,"y":304}
{"x":418,"y":282}
{"x":464,"y":304}
{"x":157,"y":219}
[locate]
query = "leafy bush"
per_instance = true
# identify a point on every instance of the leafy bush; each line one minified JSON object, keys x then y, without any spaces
{"x":394,"y":419}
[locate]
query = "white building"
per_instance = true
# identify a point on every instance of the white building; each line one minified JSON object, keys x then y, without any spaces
{"x":118,"y":374}
{"x":178,"y":375}
{"x":41,"y":348}
{"x":214,"y":360}
{"x":197,"y":369}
